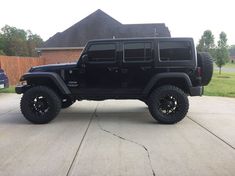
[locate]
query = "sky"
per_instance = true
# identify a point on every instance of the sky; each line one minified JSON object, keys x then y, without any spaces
{"x":184,"y":18}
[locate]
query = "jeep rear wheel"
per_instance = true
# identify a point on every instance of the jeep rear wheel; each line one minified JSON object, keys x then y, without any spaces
{"x":40,"y":105}
{"x":168,"y":104}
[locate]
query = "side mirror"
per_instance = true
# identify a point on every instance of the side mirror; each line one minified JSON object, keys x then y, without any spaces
{"x":84,"y":58}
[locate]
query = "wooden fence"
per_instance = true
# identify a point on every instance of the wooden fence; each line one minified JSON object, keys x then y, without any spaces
{"x":15,"y":66}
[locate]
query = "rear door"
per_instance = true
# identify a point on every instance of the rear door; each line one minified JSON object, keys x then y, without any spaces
{"x":137,"y":64}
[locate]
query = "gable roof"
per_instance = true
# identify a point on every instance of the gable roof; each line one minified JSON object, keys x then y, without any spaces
{"x":100,"y":25}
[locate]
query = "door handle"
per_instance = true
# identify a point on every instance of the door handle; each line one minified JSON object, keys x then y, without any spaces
{"x":144,"y":68}
{"x":113,"y":69}
{"x":124,"y":70}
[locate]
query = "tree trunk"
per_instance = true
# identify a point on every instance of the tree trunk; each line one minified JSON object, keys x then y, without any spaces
{"x":220,"y":70}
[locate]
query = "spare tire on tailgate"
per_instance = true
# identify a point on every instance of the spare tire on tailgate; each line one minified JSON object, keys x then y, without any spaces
{"x":205,"y":61}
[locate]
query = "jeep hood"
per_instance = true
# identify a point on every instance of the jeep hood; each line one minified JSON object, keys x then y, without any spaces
{"x":52,"y":67}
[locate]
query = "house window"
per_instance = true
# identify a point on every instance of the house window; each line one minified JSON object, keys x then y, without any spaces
{"x":175,"y":51}
{"x":134,"y":52}
{"x":101,"y":53}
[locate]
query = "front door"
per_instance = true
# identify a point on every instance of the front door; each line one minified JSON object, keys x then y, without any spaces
{"x":101,"y":72}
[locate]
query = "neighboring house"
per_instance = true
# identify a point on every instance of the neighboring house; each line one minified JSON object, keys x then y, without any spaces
{"x":68,"y":45}
{"x":232,"y":59}
{"x":232,"y":53}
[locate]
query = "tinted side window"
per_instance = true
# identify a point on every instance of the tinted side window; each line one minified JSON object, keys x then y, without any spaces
{"x":175,"y":51}
{"x":101,"y":53}
{"x":137,"y":52}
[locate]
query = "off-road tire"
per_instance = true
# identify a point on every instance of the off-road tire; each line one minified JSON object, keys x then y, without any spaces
{"x":176,"y":97}
{"x":67,"y":103}
{"x":36,"y":99}
{"x":205,"y":61}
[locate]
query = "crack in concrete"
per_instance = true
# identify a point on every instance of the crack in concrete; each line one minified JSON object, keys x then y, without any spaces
{"x":9,"y":111}
{"x":125,"y":139}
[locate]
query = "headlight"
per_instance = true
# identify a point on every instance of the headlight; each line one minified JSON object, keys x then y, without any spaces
{"x":22,"y":83}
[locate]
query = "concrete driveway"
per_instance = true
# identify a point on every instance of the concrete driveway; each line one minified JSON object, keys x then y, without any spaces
{"x":119,"y":138}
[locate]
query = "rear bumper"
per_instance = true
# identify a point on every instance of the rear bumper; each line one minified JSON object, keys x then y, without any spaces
{"x":196,"y":91}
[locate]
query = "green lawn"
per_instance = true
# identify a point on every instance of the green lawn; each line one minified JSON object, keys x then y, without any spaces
{"x":8,"y":90}
{"x":221,"y":85}
{"x":229,"y":65}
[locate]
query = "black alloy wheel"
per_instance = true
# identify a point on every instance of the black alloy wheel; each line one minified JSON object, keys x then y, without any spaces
{"x":168,"y":104}
{"x":40,"y":105}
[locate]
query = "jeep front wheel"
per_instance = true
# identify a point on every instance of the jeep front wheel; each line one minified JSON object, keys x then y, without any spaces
{"x":168,"y":104}
{"x":40,"y":105}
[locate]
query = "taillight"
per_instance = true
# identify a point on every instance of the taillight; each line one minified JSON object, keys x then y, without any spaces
{"x":199,"y":71}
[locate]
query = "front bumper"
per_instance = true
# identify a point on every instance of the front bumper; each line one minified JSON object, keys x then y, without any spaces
{"x":196,"y":91}
{"x":21,"y":88}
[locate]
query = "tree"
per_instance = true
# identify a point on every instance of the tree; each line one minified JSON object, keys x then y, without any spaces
{"x":34,"y":41}
{"x":15,"y":41}
{"x":206,"y":43}
{"x":1,"y":45}
{"x":2,"y":52}
{"x":222,"y":53}
{"x":18,"y":42}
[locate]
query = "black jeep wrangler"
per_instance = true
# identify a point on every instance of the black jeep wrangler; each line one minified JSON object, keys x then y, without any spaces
{"x":162,"y":72}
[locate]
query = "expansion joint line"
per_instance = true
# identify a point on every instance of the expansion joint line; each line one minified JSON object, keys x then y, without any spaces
{"x":128,"y":140}
{"x":211,"y":133}
{"x":80,"y":144}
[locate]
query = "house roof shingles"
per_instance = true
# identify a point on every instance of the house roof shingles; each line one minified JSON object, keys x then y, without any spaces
{"x":100,"y":25}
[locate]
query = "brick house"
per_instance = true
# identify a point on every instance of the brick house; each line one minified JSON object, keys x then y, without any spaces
{"x":67,"y":46}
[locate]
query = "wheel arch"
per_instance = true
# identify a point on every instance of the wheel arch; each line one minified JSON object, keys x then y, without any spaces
{"x":51,"y":80}
{"x":180,"y":80}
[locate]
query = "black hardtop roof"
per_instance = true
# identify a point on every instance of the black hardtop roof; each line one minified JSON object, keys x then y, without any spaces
{"x":142,"y":38}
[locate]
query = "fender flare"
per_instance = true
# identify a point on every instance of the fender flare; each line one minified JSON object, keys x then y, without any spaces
{"x":160,"y":76}
{"x":54,"y":77}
